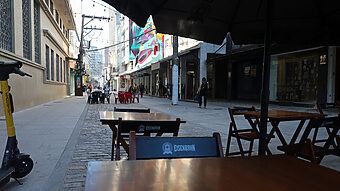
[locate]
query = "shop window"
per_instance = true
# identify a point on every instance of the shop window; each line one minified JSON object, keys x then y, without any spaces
{"x":294,"y":77}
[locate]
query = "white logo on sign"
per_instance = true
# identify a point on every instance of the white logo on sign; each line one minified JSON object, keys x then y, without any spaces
{"x":141,"y":128}
{"x":167,"y":148}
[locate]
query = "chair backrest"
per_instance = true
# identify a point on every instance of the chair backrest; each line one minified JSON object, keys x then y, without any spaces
{"x":328,"y":122}
{"x":135,"y":110}
{"x":238,"y":111}
{"x":174,"y":147}
{"x":148,"y":127}
{"x":128,"y":95}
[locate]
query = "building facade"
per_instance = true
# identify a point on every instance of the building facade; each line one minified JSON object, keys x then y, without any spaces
{"x":36,"y":32}
{"x":298,"y":75}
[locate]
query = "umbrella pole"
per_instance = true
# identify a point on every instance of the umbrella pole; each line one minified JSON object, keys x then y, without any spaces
{"x":265,"y":78}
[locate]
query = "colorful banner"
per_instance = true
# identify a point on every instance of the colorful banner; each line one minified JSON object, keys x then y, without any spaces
{"x":146,"y":46}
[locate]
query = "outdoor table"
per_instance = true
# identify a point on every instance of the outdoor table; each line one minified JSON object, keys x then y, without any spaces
{"x":275,"y":172}
{"x":277,"y":116}
{"x":111,"y":118}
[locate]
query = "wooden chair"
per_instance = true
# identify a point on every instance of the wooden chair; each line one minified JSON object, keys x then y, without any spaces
{"x":316,"y":130}
{"x":147,"y":128}
{"x":174,"y":147}
{"x":249,"y":134}
{"x":308,"y":150}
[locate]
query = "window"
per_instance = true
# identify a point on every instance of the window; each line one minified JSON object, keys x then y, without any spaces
{"x":64,"y":71}
{"x":46,"y":1}
{"x":57,"y":16}
{"x":51,"y":7}
{"x":26,"y":23}
{"x":57,"y":66}
{"x":47,"y":63}
{"x":6,"y":29}
{"x":37,"y":37}
{"x":61,"y":69}
{"x":52,"y":64}
{"x":60,"y":23}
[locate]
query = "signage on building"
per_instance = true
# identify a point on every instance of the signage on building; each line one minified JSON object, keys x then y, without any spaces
{"x":323,"y":59}
{"x":155,"y":66}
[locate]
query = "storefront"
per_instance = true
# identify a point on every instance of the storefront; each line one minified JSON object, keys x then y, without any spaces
{"x":189,"y":74}
{"x":299,"y":76}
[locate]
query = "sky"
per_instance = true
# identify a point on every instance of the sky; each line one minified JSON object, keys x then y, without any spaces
{"x":99,"y":38}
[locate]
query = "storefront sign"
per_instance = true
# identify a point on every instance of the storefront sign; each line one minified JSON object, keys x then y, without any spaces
{"x":155,"y":66}
{"x":323,"y":59}
{"x":247,"y":70}
{"x":78,"y":82}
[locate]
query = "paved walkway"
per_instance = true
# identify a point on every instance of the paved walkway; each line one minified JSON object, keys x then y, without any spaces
{"x":94,"y":142}
{"x":43,"y":132}
{"x":65,"y":146}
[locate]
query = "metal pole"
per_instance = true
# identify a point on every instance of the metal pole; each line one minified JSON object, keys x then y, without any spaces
{"x":175,"y":72}
{"x":81,"y":51}
{"x":265,"y":78}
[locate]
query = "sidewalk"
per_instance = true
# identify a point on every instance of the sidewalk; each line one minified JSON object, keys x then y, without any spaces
{"x":43,"y":131}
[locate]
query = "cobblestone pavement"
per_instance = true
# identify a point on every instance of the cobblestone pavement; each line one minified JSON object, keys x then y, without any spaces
{"x":94,"y":142}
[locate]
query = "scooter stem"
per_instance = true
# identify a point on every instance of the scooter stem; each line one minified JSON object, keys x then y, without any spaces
{"x":7,"y":109}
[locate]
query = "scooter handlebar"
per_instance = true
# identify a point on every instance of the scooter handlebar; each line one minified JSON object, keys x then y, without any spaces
{"x":13,"y":67}
{"x":21,"y":73}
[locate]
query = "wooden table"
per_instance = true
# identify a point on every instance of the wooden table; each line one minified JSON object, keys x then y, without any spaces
{"x":111,"y":118}
{"x":277,"y":116}
{"x":276,"y":172}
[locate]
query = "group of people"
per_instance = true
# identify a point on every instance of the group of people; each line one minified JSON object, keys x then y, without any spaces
{"x":137,"y":89}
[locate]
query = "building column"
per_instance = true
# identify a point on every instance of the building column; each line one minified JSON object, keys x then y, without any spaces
{"x":203,"y":62}
{"x":331,"y":74}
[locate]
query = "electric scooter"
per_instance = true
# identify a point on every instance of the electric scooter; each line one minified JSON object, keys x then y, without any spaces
{"x":15,"y":164}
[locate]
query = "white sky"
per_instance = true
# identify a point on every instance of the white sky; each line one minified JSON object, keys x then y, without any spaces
{"x":99,"y":38}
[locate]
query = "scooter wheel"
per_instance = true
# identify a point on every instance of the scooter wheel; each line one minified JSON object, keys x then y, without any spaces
{"x":23,"y":168}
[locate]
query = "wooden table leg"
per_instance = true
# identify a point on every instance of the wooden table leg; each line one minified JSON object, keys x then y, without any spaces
{"x":275,"y":125}
{"x":297,"y":132}
{"x":308,"y":129}
{"x":114,"y":135}
{"x":328,"y":143}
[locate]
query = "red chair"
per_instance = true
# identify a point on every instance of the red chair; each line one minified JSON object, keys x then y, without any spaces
{"x":121,"y":96}
{"x":128,"y":97}
{"x":135,"y":96}
{"x":115,"y":97}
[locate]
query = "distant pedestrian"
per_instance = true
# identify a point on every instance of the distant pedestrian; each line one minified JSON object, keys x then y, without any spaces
{"x":203,"y":91}
{"x":141,"y":89}
{"x":131,"y":89}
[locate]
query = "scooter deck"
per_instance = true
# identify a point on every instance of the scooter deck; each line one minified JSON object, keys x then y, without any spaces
{"x":5,"y":175}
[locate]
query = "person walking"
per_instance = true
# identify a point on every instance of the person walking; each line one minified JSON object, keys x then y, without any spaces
{"x":203,"y":91}
{"x":141,"y":89}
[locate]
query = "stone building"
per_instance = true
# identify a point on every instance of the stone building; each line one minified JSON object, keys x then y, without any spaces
{"x":36,"y":32}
